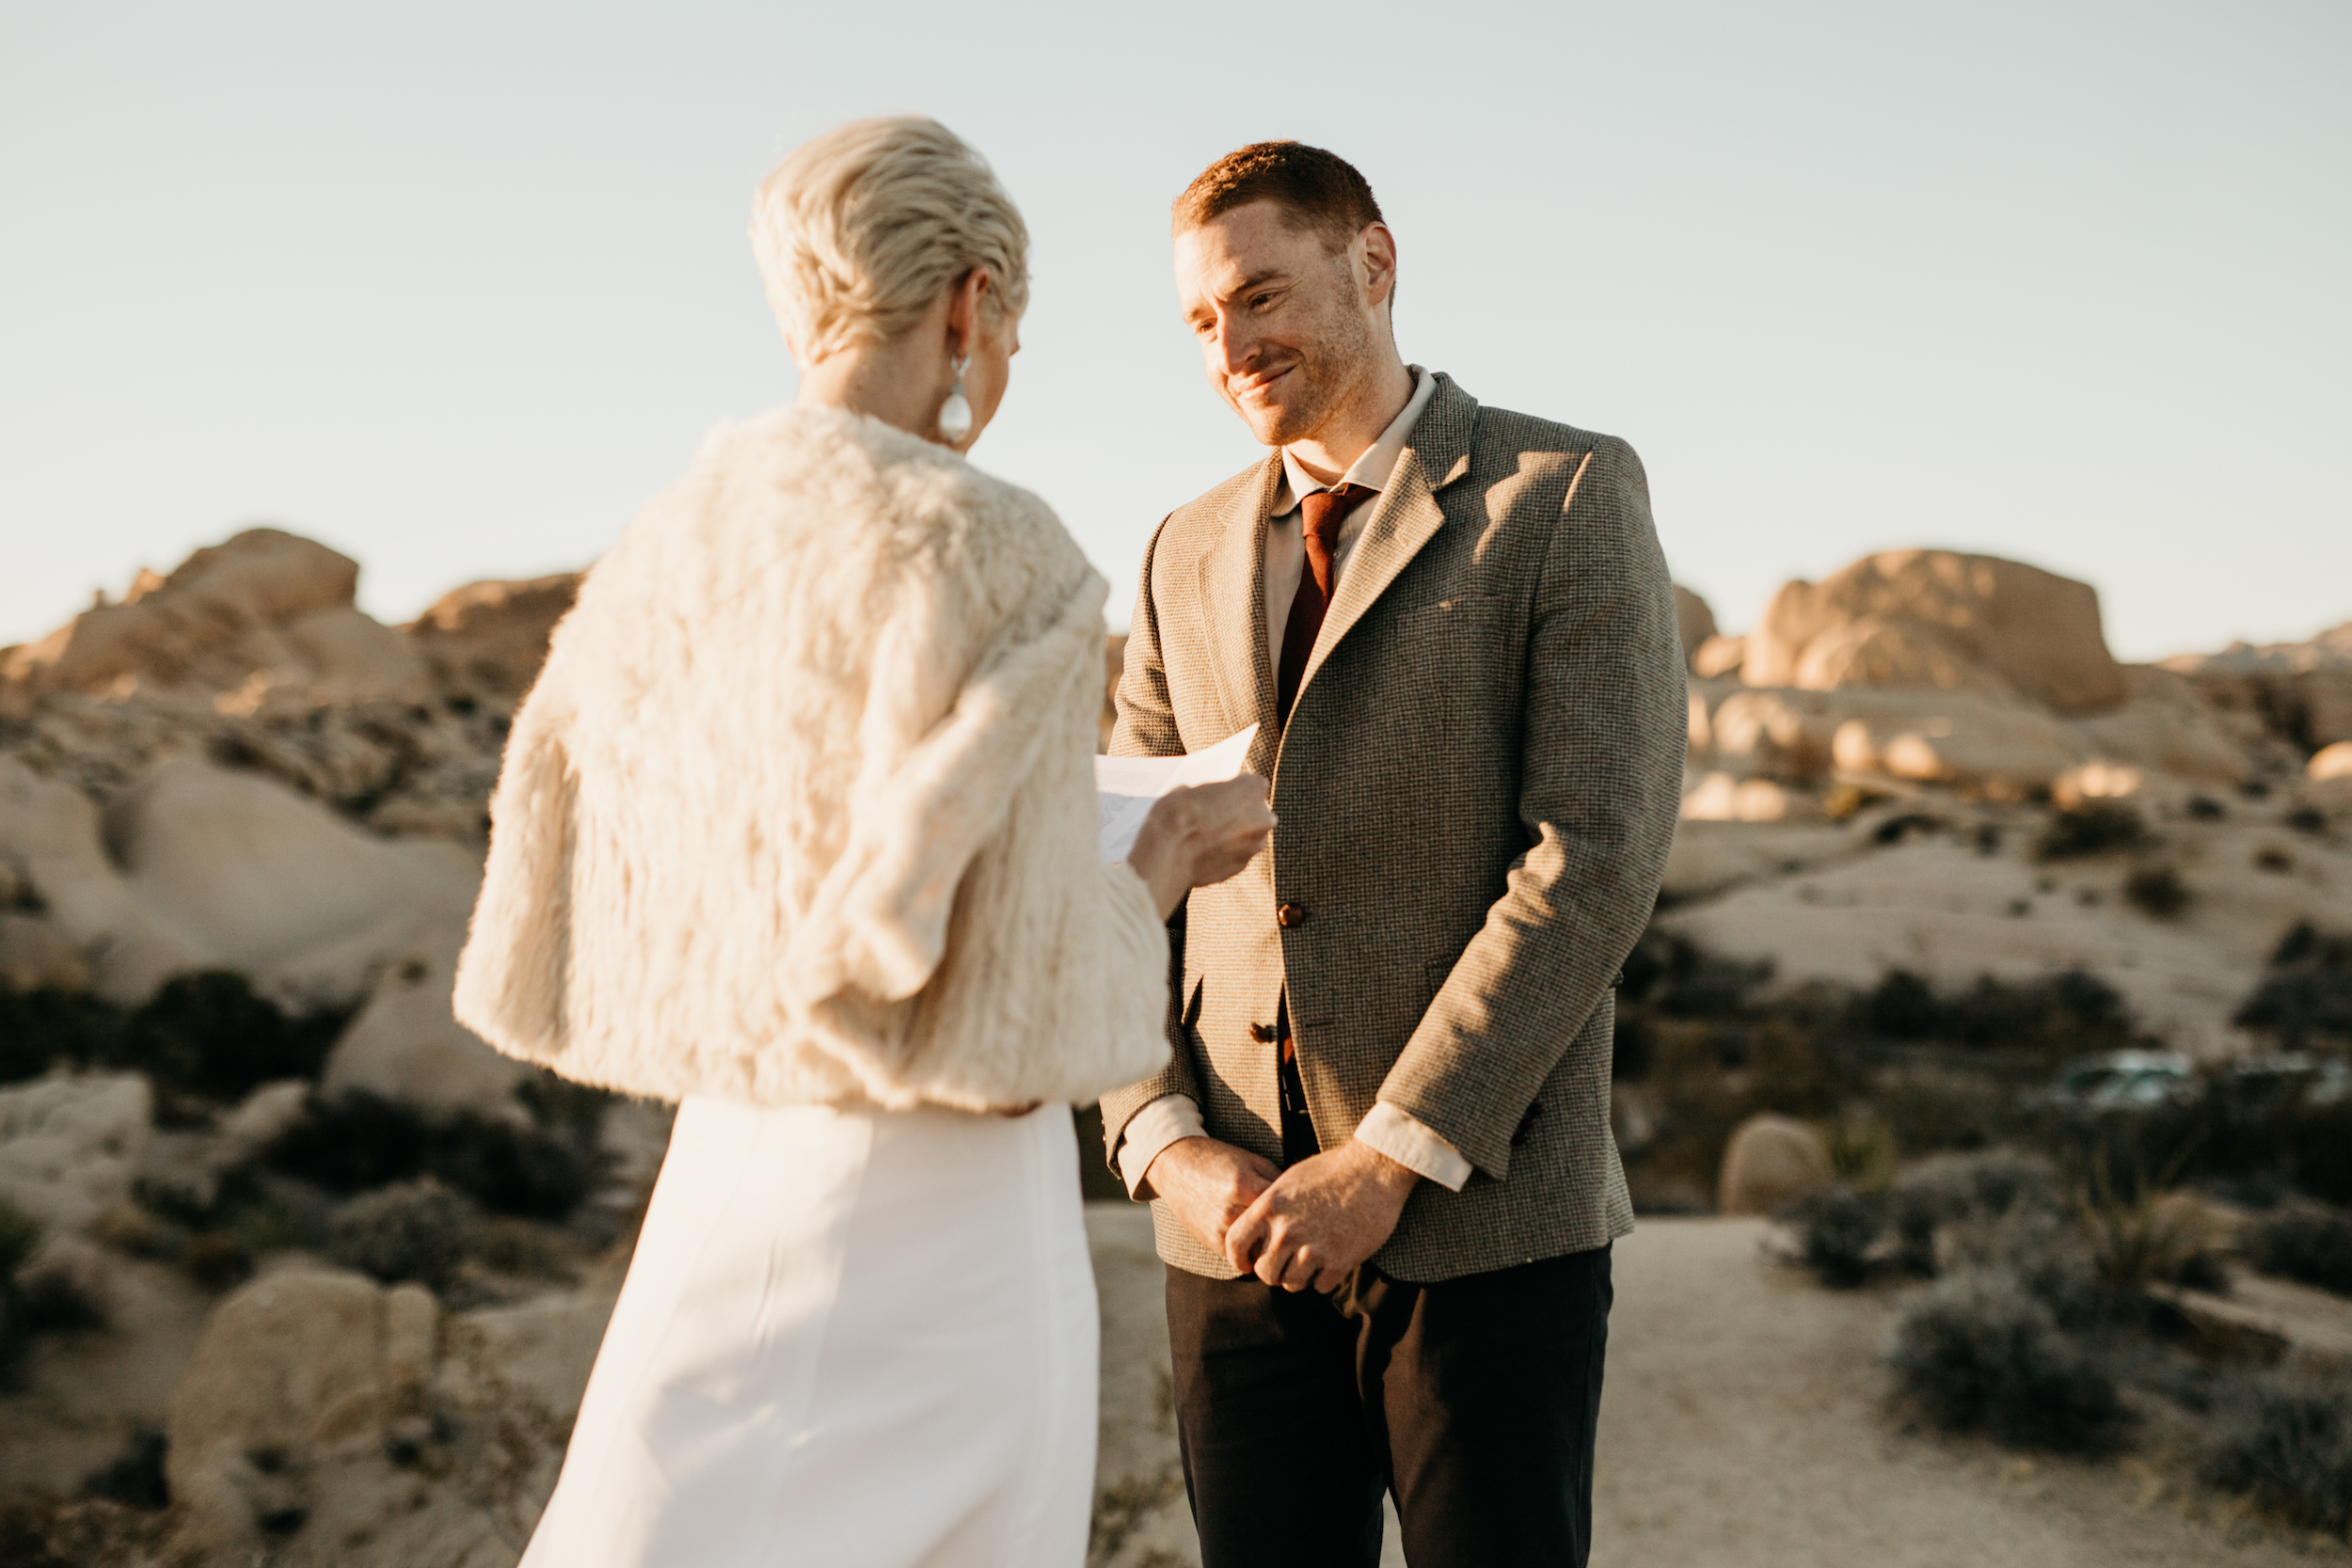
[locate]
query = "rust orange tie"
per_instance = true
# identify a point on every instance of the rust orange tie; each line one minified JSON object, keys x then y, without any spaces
{"x":1321,"y":516}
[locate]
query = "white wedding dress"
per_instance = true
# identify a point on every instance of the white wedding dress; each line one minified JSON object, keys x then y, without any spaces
{"x":849,"y":1338}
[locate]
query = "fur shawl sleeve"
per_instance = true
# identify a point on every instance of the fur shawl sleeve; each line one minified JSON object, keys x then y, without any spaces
{"x":802,"y":806}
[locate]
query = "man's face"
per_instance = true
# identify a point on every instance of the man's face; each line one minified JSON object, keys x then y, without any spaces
{"x":1289,"y":333}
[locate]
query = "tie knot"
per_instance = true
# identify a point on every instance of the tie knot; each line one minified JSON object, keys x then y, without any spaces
{"x":1326,"y":511}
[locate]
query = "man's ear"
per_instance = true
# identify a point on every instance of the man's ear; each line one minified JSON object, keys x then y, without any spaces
{"x":1377,"y":247}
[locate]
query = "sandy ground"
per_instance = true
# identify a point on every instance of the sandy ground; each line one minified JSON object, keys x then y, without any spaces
{"x":1743,"y":1427}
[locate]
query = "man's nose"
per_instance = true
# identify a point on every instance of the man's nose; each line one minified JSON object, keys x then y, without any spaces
{"x":1236,"y":345}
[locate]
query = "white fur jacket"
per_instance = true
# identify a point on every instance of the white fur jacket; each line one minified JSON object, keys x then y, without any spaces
{"x":801,"y":808}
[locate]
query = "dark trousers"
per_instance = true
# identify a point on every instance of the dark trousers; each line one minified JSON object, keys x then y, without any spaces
{"x":1474,"y":1399}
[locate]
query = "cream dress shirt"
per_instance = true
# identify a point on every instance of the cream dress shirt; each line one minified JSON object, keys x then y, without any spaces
{"x":1173,"y":1117}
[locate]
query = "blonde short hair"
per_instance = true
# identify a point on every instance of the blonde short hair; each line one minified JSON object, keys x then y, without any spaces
{"x":859,"y":231}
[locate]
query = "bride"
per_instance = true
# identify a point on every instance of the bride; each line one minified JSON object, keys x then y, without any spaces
{"x":797,"y":828}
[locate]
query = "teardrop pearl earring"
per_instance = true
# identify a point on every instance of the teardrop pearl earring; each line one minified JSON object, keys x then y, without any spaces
{"x":955,"y":414}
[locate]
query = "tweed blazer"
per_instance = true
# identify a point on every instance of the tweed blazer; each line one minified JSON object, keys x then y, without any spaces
{"x":1477,"y":788}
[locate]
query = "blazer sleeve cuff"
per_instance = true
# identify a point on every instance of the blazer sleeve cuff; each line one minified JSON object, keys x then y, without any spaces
{"x":1411,"y":1143}
{"x":1169,"y":1120}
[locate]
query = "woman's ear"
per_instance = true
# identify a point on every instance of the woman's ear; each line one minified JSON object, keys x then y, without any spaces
{"x":963,"y":311}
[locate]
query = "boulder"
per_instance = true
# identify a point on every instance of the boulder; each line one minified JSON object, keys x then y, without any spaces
{"x":1695,"y":622}
{"x":1719,"y":655}
{"x":50,"y":835}
{"x":1783,"y":735}
{"x":1721,"y":797}
{"x":408,"y":1045}
{"x":492,"y":637}
{"x":290,"y":1371}
{"x":251,"y":875}
{"x":2002,"y":750}
{"x":265,"y":613}
{"x":326,"y":1420}
{"x":1770,"y":1161}
{"x":2330,"y":777}
{"x":69,"y":1145}
{"x":1942,"y":620}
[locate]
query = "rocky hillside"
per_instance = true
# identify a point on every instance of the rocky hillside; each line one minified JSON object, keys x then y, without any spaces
{"x":293,"y":1268}
{"x":1931,"y":762}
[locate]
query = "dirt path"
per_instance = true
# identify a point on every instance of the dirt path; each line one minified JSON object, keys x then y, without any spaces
{"x":1742,"y":1428}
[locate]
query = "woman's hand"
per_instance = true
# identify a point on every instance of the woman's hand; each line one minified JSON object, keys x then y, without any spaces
{"x":1200,"y":835}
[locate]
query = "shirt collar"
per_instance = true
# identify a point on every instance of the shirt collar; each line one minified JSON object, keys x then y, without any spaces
{"x":1372,"y":470}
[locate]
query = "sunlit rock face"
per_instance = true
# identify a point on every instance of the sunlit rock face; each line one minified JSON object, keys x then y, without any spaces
{"x":2300,"y":690}
{"x":492,"y":637}
{"x":267,"y":615}
{"x":1940,"y":621}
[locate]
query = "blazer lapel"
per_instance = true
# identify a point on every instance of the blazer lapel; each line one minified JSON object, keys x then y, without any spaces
{"x":1404,"y":518}
{"x":1233,"y":603}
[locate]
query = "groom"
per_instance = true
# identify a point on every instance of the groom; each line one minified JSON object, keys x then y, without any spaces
{"x":1380,"y":1160}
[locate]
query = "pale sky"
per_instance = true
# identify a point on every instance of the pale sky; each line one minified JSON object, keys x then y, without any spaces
{"x":456,"y":288}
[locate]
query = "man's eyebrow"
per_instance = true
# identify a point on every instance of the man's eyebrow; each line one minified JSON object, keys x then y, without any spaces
{"x":1265,"y":274}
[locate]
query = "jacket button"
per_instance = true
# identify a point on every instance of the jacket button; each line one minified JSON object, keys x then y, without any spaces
{"x":1288,"y":915}
{"x":1262,"y":1033}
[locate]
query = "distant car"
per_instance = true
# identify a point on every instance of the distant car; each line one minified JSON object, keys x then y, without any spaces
{"x":2274,"y":1079}
{"x":2124,"y":1081}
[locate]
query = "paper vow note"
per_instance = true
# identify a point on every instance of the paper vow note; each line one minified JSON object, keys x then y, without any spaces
{"x":1124,"y":787}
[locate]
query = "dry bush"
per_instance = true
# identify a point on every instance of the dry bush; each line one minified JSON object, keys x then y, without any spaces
{"x":1954,"y":1189}
{"x":1836,"y":1229}
{"x":1979,"y":1352}
{"x":2304,"y":1242}
{"x":2093,"y":828}
{"x":2287,"y":1439}
{"x":2308,"y":992}
{"x":2157,"y":890}
{"x":358,"y":1141}
{"x":418,"y":1230}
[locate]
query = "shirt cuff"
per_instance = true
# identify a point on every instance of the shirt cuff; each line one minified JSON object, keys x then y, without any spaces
{"x":1166,"y":1121}
{"x":1410,"y":1142}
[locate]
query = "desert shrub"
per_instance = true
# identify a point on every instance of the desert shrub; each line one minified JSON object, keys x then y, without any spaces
{"x":2064,"y":1014}
{"x":1861,"y":1149}
{"x":1954,"y":1188}
{"x":216,"y":1259}
{"x":134,"y":1477}
{"x":1903,"y":1006}
{"x":54,"y":1298}
{"x":2137,"y":1240}
{"x":418,"y":1230}
{"x":47,"y":1025}
{"x":2304,"y":1242}
{"x":1676,"y":978}
{"x":358,"y":1140}
{"x":510,"y":1169}
{"x":1836,"y":1227}
{"x":1978,"y":1351}
{"x":210,"y":1034}
{"x":87,"y":1532}
{"x":2287,"y":1439}
{"x":2157,"y":890}
{"x":1929,"y":1111}
{"x":2308,"y":990}
{"x":2093,"y":828}
{"x":561,"y":1105}
{"x":1846,"y":800}
{"x":20,"y":1233}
